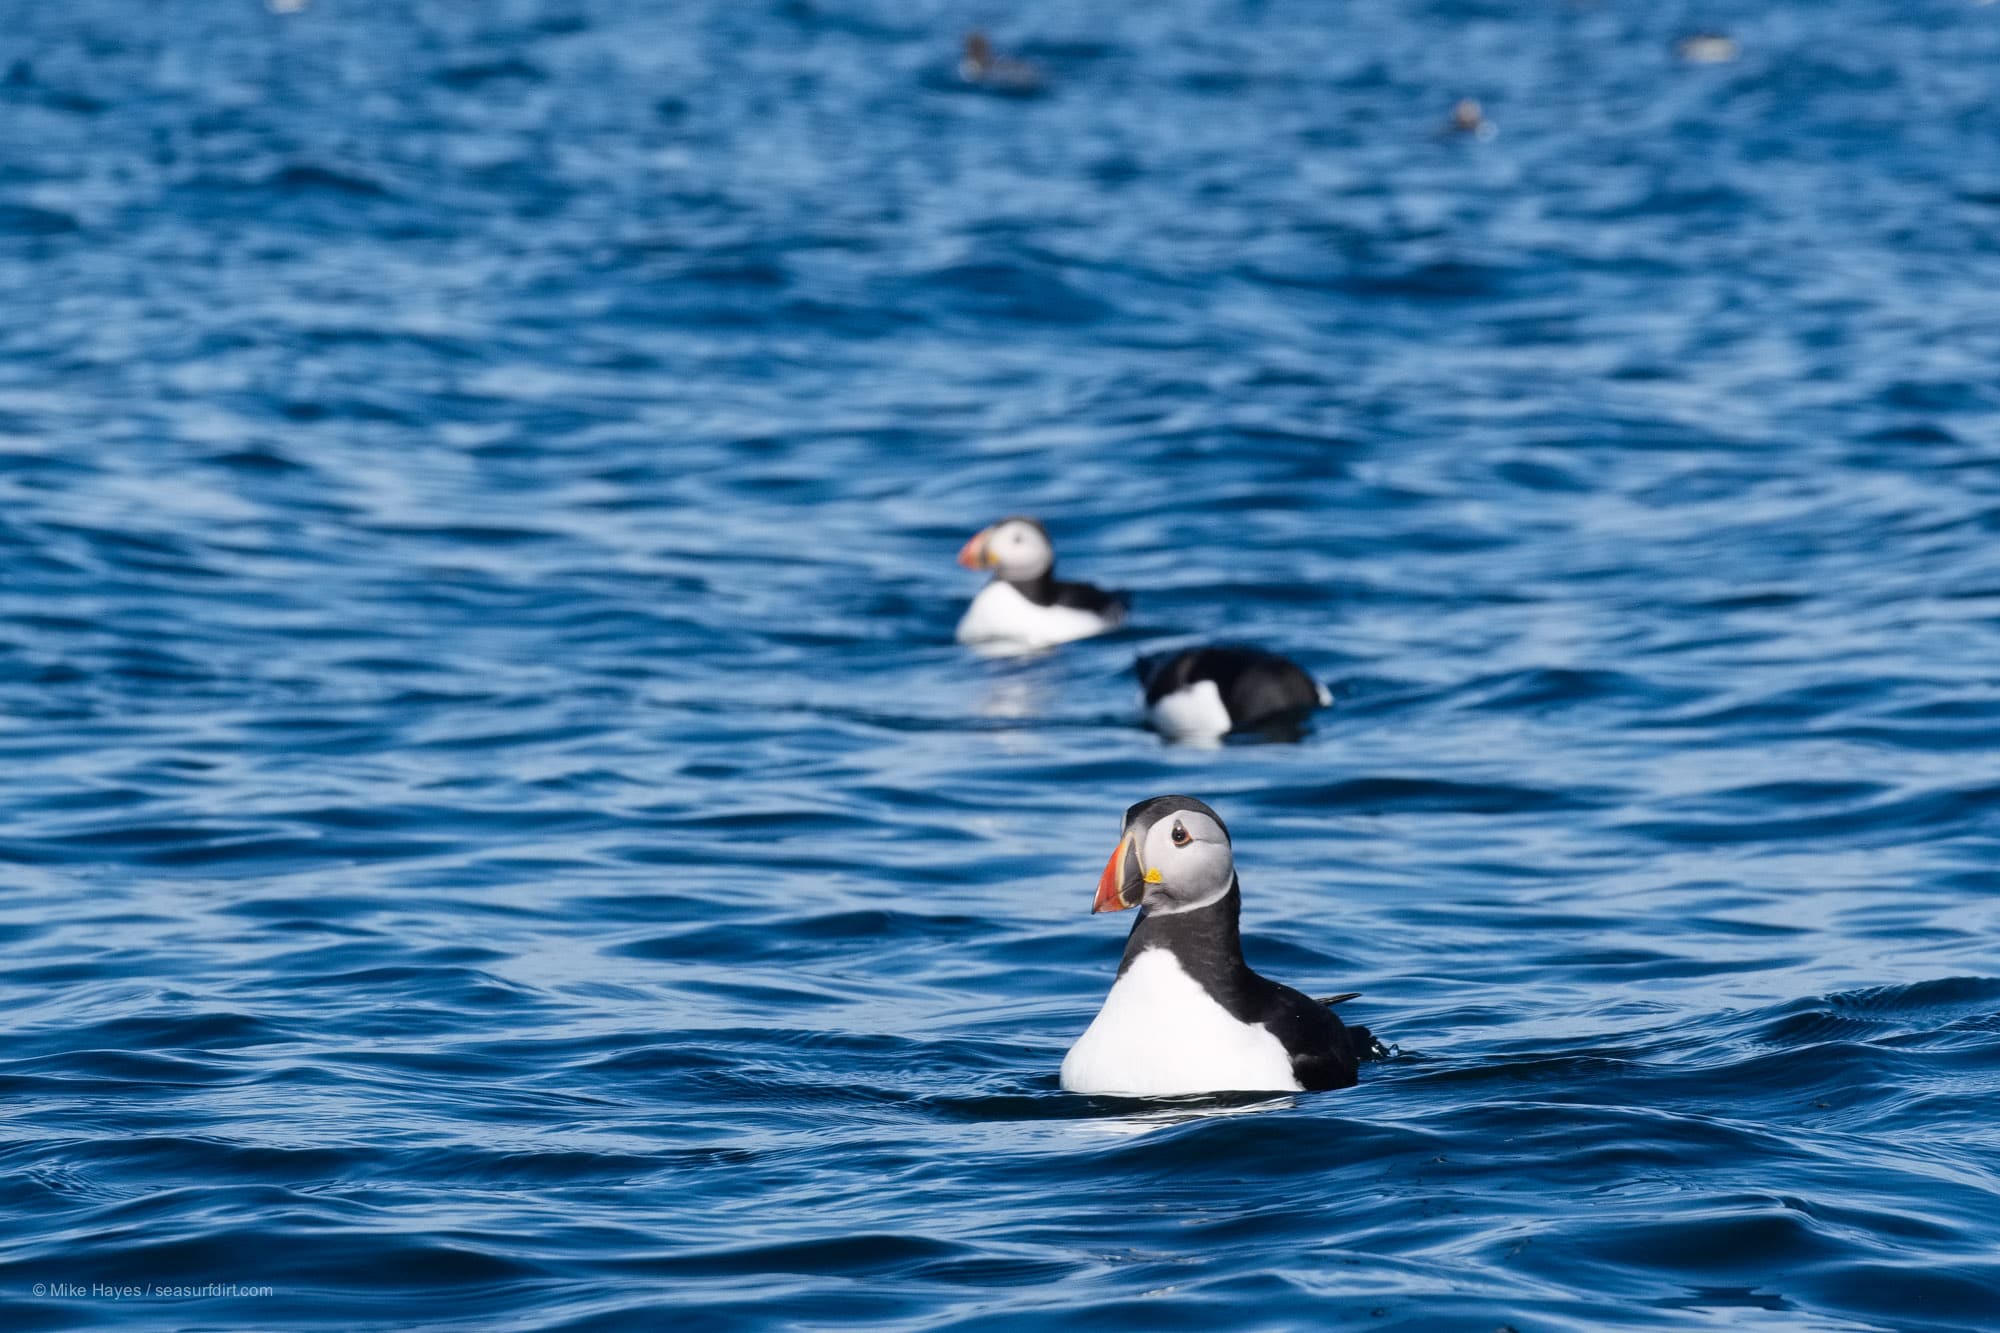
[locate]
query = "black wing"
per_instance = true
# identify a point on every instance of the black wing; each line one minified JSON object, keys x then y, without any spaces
{"x":1324,"y":1050}
{"x":1086,"y":597}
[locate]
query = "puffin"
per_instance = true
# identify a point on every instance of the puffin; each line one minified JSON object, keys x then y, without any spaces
{"x":1025,"y":605}
{"x":982,"y":67}
{"x":1707,"y":48}
{"x":1208,"y":692}
{"x":1186,"y":1014}
{"x":1468,"y":117}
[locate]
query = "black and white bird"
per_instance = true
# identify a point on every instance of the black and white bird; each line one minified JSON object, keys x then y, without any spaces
{"x":1025,"y":605}
{"x":1187,"y":1015}
{"x":1206,"y":693}
{"x":1707,"y":48}
{"x":983,"y":67}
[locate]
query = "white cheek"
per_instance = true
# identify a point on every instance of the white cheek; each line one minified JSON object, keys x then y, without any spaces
{"x":1200,"y":864}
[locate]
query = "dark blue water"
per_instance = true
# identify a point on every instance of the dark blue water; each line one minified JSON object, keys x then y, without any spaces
{"x":496,"y":833}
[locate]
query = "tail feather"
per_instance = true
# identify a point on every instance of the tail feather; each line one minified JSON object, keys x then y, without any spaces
{"x":1359,"y":1038}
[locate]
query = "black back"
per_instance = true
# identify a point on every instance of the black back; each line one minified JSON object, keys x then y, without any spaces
{"x":1256,"y":687}
{"x":1207,"y":944}
{"x":1050,"y":591}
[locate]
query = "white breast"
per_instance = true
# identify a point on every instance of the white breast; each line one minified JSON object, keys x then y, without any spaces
{"x":1001,"y":612}
{"x":1193,"y":710}
{"x":1160,"y":1034}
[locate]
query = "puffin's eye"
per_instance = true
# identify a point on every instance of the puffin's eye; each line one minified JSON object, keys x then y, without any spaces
{"x":1180,"y":835}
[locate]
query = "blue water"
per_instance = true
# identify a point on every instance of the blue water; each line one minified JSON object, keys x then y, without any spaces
{"x":496,"y":834}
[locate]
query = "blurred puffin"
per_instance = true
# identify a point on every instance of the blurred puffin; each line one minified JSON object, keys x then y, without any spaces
{"x":1707,"y":48}
{"x":983,"y":68}
{"x":1468,"y":117}
{"x":1024,"y":604}
{"x":1186,"y":1014}
{"x":1212,"y":691}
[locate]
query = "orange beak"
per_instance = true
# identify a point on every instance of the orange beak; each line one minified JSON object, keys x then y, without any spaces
{"x":973,"y":554}
{"x":1122,"y":885}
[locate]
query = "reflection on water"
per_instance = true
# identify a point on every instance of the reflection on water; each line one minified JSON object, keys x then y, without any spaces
{"x":1166,"y":1113}
{"x":1013,"y":698}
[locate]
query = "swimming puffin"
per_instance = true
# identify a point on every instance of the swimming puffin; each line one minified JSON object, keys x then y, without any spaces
{"x":1024,"y":604}
{"x":1468,"y":117}
{"x":1707,"y":48}
{"x":1187,"y":1015}
{"x":1212,"y":691}
{"x":982,"y":67}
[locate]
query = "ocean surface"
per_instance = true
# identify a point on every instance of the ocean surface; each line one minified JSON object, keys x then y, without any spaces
{"x":495,"y":832}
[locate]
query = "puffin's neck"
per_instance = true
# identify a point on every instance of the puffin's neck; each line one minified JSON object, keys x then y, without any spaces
{"x":1203,"y":938}
{"x":1041,"y":589}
